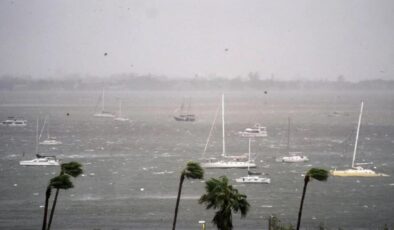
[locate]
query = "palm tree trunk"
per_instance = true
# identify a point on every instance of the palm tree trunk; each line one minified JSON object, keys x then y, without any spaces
{"x":306,"y":180}
{"x":177,"y":200}
{"x":53,"y":209}
{"x":47,"y":195}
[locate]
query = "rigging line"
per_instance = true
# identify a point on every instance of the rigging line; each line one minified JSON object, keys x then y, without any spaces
{"x":211,"y":130}
{"x":42,"y":129}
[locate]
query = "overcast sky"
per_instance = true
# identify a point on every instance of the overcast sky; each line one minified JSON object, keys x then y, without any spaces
{"x":287,"y":39}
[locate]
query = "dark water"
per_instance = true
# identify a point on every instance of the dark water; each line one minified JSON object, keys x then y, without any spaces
{"x":132,"y":169}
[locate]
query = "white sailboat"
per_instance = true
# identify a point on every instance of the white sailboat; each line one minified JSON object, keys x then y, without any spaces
{"x":183,"y":114}
{"x":356,"y":170}
{"x":103,"y":113}
{"x":50,"y":140}
{"x":119,"y":116}
{"x":40,"y":160}
{"x":252,"y":178}
{"x":227,"y":161}
{"x":293,"y":157}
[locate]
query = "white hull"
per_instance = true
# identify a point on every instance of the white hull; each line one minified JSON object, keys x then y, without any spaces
{"x":121,"y":119}
{"x":253,"y":180}
{"x":293,"y":159}
{"x":228,"y":164}
{"x":104,"y":115}
{"x":251,"y":135}
{"x":257,"y":131}
{"x":40,"y":162}
{"x":14,"y":123}
{"x":356,"y":173}
{"x":50,"y":142}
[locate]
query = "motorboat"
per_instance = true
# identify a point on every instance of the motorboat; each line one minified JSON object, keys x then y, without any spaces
{"x":294,"y":157}
{"x":14,"y":122}
{"x":256,"y":131}
{"x":41,"y":161}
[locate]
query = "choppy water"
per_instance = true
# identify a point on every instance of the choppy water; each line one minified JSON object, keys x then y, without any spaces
{"x":132,"y":169}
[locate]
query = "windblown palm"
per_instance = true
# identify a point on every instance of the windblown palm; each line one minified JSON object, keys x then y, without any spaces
{"x":193,"y":170}
{"x":314,"y":173}
{"x":220,"y":195}
{"x":63,"y":181}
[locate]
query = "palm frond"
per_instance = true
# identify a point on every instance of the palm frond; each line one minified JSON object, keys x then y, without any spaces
{"x":193,"y":170}
{"x":72,"y":168}
{"x":61,"y":182}
{"x":223,"y":196}
{"x":318,"y":174}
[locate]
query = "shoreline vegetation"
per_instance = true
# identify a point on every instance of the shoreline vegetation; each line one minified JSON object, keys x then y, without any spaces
{"x":152,"y":82}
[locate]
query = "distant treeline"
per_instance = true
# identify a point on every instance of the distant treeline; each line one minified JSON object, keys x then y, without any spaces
{"x":150,"y":82}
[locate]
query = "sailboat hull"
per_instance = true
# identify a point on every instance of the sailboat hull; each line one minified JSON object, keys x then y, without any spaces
{"x":228,"y":164}
{"x":356,"y":173}
{"x":104,"y":115}
{"x":185,"y":118}
{"x":253,"y":180}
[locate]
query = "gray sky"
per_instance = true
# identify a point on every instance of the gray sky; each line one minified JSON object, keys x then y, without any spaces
{"x":290,"y":39}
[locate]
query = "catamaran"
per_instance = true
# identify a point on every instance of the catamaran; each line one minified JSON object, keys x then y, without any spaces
{"x":356,"y":170}
{"x":293,"y":157}
{"x":103,"y":113}
{"x":227,"y":161}
{"x":252,"y":178}
{"x":40,"y":160}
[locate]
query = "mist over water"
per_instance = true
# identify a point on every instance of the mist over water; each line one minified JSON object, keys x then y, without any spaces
{"x":132,"y":168}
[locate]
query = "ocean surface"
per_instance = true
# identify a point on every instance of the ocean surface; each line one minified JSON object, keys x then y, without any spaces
{"x":132,"y":169}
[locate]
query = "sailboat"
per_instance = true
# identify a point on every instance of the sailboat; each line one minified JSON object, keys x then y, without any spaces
{"x":119,"y":116}
{"x":228,"y":161}
{"x":50,"y":140}
{"x":184,"y":114}
{"x":293,"y":157}
{"x":252,"y":177}
{"x":103,"y":113}
{"x":40,"y":160}
{"x":356,"y":170}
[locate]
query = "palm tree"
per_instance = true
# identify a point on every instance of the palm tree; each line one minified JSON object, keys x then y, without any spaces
{"x":221,"y":195}
{"x":62,"y":181}
{"x":193,"y":170}
{"x":58,"y":182}
{"x":47,"y":196}
{"x":313,"y":173}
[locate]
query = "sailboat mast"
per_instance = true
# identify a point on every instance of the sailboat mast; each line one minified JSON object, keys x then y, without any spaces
{"x":249,"y":156}
{"x":288,"y":135}
{"x":48,"y":128}
{"x":120,"y":108}
{"x":223,"y":131}
{"x":37,"y":137}
{"x":358,"y":130}
{"x":102,"y":102}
